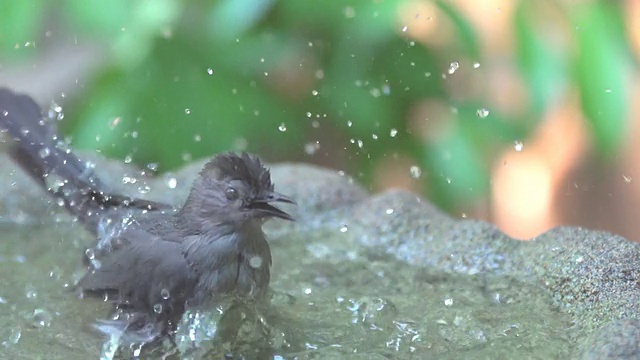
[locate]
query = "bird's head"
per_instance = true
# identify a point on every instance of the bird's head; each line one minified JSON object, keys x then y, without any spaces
{"x":235,"y":188}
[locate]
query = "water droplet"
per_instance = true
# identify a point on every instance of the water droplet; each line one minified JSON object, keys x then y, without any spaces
{"x":282,"y":127}
{"x":129,"y":180}
{"x":157,"y":308}
{"x":311,"y":147}
{"x":518,"y":145}
{"x":389,"y":211}
{"x":144,"y":189}
{"x":210,"y":71}
{"x":448,"y":301}
{"x":31,"y":292}
{"x":44,"y":152}
{"x":134,"y":134}
{"x":349,"y":13}
{"x":187,"y":111}
{"x":415,"y":172}
{"x":360,"y":144}
{"x":482,"y":113}
{"x":186,"y":157}
{"x":5,"y":113}
{"x":137,"y":351}
{"x":627,"y":179}
{"x":127,"y":159}
{"x":344,"y":228}
{"x":404,"y":29}
{"x":375,"y":92}
{"x":197,"y":138}
{"x":165,"y":294}
{"x":172,"y":183}
{"x":97,"y":264}
{"x":152,"y":166}
{"x":476,"y":65}
{"x":386,"y":89}
{"x":374,"y":136}
{"x":90,"y":253}
{"x":393,"y":132}
{"x":349,"y":123}
{"x":314,"y":92}
{"x":15,"y":335}
{"x":41,"y":318}
{"x":115,"y":122}
{"x":255,"y":261}
{"x":453,"y":67}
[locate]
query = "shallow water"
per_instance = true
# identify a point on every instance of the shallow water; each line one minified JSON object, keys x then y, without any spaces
{"x":40,"y":317}
{"x":332,"y":299}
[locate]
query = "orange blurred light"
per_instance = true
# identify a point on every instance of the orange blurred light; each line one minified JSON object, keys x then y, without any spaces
{"x":526,"y":183}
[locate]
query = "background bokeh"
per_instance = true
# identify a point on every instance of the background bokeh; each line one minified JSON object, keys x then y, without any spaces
{"x":521,"y":113}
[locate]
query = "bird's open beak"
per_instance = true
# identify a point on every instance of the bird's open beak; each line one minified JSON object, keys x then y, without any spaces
{"x":263,"y":207}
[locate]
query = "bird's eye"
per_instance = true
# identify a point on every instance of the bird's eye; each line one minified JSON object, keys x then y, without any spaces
{"x":231,"y":193}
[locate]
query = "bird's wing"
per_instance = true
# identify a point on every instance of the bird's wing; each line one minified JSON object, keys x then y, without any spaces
{"x":149,"y":271}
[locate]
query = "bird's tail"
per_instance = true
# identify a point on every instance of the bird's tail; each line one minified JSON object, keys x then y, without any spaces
{"x":40,"y":152}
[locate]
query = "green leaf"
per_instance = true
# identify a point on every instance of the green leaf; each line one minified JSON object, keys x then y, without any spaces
{"x":601,"y":67}
{"x":19,"y":26}
{"x":96,"y":17}
{"x":542,"y":64}
{"x":170,"y":110}
{"x":130,"y":27}
{"x":455,"y":167}
{"x":466,"y":31}
{"x":230,"y":19}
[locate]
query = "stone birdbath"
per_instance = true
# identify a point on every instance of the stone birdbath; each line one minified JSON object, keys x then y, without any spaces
{"x":357,"y":276}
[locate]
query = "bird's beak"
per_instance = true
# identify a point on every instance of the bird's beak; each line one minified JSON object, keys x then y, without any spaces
{"x":263,"y":207}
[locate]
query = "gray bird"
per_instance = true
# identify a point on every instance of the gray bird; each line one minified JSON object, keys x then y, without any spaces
{"x":152,"y":260}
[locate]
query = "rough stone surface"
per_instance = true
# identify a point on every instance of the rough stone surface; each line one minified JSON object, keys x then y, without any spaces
{"x":618,"y":340}
{"x":593,"y":276}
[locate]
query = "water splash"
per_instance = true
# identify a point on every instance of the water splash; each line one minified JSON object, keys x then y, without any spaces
{"x":453,"y":67}
{"x":482,"y":113}
{"x":415,"y":172}
{"x":518,"y":145}
{"x":44,"y":152}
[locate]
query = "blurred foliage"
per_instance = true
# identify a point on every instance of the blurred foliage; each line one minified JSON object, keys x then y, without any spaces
{"x":186,"y":79}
